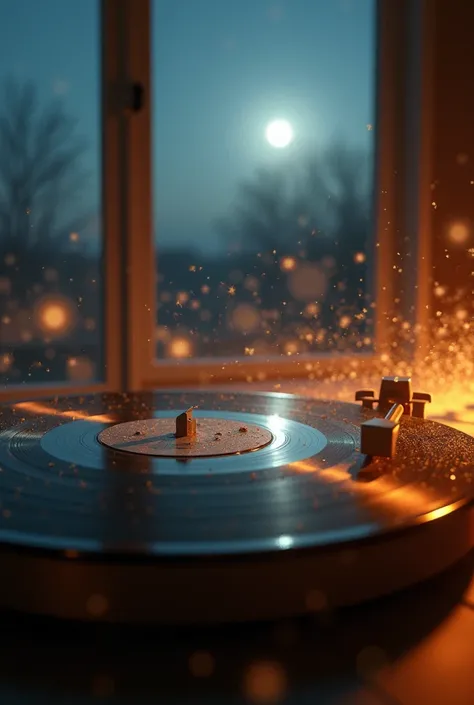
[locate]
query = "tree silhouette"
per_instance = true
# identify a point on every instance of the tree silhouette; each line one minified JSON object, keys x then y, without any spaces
{"x":262,"y":216}
{"x":41,"y":188}
{"x":345,"y":185}
{"x":40,"y":169}
{"x":329,"y":196}
{"x":319,"y":214}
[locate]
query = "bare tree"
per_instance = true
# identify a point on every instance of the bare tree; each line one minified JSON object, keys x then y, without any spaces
{"x":40,"y":168}
{"x":330,"y":196}
{"x":265,"y":214}
{"x":347,"y":183}
{"x":319,"y":214}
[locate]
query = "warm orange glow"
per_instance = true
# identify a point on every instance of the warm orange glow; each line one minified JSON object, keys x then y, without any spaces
{"x":179,"y":348}
{"x":302,"y":466}
{"x":454,"y":407}
{"x":36,"y":407}
{"x":359,"y":257}
{"x":345,"y":321}
{"x":441,"y":512}
{"x":291,"y":347}
{"x":312,"y":309}
{"x":55,"y":315}
{"x":459,"y":232}
{"x":288,"y":264}
{"x":182,"y":298}
{"x":384,"y":490}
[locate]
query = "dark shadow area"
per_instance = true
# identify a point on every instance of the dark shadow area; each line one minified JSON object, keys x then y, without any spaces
{"x":315,"y":659}
{"x":368,"y":468}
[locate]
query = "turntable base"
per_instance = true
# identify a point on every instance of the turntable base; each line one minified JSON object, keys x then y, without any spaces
{"x":300,"y":523}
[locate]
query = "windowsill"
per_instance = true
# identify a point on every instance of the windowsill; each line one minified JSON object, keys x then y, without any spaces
{"x":227,"y":370}
{"x":15,"y":392}
{"x":453,"y":405}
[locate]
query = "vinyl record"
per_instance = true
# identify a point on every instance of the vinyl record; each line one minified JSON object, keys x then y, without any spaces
{"x":273,"y":514}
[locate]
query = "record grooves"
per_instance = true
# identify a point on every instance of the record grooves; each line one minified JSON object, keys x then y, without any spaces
{"x":109,"y":534}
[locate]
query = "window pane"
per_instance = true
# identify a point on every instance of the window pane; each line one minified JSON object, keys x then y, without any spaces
{"x":50,"y":200}
{"x":263,"y":152}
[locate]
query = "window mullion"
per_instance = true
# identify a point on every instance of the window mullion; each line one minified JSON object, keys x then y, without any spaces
{"x":139,"y":274}
{"x":112,"y":190}
{"x":127,"y":188}
{"x":404,"y":177}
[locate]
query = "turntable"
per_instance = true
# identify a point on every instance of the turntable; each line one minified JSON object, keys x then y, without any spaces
{"x":198,"y":506}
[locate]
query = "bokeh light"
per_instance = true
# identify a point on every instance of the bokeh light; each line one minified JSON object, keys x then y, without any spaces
{"x":55,"y":316}
{"x":459,"y":232}
{"x":288,"y":264}
{"x":6,"y":362}
{"x":80,"y":369}
{"x":180,"y":348}
{"x":265,"y":682}
{"x":245,"y":318}
{"x":307,"y":282}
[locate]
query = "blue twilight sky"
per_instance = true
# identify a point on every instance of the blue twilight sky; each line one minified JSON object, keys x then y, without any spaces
{"x":222,"y":70}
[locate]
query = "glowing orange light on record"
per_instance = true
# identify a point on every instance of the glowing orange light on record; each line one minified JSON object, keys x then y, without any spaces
{"x":384,"y":490}
{"x":35,"y":407}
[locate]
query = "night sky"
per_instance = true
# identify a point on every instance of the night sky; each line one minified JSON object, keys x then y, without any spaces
{"x":223,"y":69}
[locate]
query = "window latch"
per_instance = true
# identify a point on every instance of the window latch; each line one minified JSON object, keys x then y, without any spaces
{"x":135,"y":98}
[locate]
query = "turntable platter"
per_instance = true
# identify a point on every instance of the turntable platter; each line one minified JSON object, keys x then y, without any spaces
{"x":293,"y":514}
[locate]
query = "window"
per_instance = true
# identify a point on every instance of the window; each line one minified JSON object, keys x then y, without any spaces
{"x":263,"y":161}
{"x":199,"y":183}
{"x":51,"y":274}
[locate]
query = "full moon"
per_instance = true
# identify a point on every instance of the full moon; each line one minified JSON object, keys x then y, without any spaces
{"x":279,"y":133}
